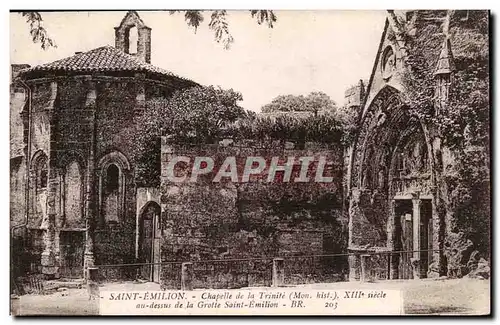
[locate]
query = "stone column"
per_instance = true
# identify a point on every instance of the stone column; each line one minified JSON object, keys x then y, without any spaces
{"x":49,"y":265}
{"x":354,"y":268}
{"x":416,"y":238}
{"x":278,"y":272}
{"x":48,"y":259}
{"x":438,"y":265}
{"x":353,"y":259}
{"x":89,"y":260}
{"x":391,"y":238}
{"x":187,"y":276}
{"x":365,"y":268}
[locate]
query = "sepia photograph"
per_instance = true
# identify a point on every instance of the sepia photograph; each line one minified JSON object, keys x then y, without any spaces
{"x":250,"y":162}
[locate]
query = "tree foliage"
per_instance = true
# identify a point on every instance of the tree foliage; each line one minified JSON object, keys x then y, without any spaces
{"x":219,"y":25}
{"x":318,"y":103}
{"x":201,"y":115}
{"x":321,"y":129}
{"x":314,"y":102}
{"x":194,"y":115}
{"x":465,"y":120}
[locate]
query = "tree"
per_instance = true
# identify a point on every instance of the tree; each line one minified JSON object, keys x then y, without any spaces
{"x":321,"y":105}
{"x":194,"y":115}
{"x":320,"y":102}
{"x":218,"y":24}
{"x":285,"y":103}
{"x":315,"y":102}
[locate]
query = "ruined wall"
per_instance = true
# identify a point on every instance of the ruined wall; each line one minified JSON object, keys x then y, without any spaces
{"x":17,"y":159}
{"x":204,"y":220}
{"x":457,"y":216}
{"x":17,"y":190}
{"x":42,"y":98}
{"x":369,"y":214}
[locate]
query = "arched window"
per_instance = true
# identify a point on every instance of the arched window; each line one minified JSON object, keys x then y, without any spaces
{"x":112,"y":186}
{"x":39,"y":179}
{"x":40,"y":170}
{"x":133,"y":38}
{"x":42,"y":173}
{"x":112,"y":178}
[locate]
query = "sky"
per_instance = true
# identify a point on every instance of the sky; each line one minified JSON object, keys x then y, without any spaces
{"x":306,"y":51}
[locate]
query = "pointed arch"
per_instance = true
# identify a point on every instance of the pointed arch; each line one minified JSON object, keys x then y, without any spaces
{"x":40,"y":170}
{"x":38,"y":174}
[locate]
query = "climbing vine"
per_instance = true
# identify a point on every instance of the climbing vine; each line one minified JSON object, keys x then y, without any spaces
{"x":463,"y":123}
{"x":465,"y":119}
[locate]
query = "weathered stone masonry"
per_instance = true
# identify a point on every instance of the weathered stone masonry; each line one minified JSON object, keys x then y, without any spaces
{"x":75,"y":203}
{"x":397,"y":190}
{"x":204,"y":220}
{"x":79,"y":118}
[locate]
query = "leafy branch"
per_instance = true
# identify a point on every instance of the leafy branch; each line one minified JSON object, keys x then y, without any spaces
{"x":194,"y":18}
{"x":264,"y":16}
{"x":219,"y":24}
{"x":37,"y":31}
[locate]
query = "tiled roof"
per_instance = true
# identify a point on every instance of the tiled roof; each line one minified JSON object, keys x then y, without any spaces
{"x":101,"y":59}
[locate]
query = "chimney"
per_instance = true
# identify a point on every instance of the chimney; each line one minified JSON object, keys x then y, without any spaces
{"x":15,"y":69}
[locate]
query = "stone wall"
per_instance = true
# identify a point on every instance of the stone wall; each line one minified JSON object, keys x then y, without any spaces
{"x":17,"y":160}
{"x":204,"y":220}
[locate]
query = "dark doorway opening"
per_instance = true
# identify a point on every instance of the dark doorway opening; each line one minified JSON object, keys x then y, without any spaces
{"x":72,"y":249}
{"x":404,"y":237}
{"x":405,"y":241}
{"x":425,"y":236}
{"x":149,"y":242}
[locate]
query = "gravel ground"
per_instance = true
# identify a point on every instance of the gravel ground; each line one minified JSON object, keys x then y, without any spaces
{"x":439,"y":297}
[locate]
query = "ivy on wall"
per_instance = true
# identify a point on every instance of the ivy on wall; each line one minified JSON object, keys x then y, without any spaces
{"x":463,"y":123}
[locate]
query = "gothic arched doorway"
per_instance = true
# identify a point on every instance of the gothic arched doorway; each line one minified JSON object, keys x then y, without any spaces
{"x":391,"y":188}
{"x":149,"y":242}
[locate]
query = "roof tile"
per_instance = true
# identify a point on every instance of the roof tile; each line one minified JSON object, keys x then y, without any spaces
{"x":101,"y":59}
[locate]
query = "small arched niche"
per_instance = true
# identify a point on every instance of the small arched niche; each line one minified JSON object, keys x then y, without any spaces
{"x":111,"y":194}
{"x":73,"y":207}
